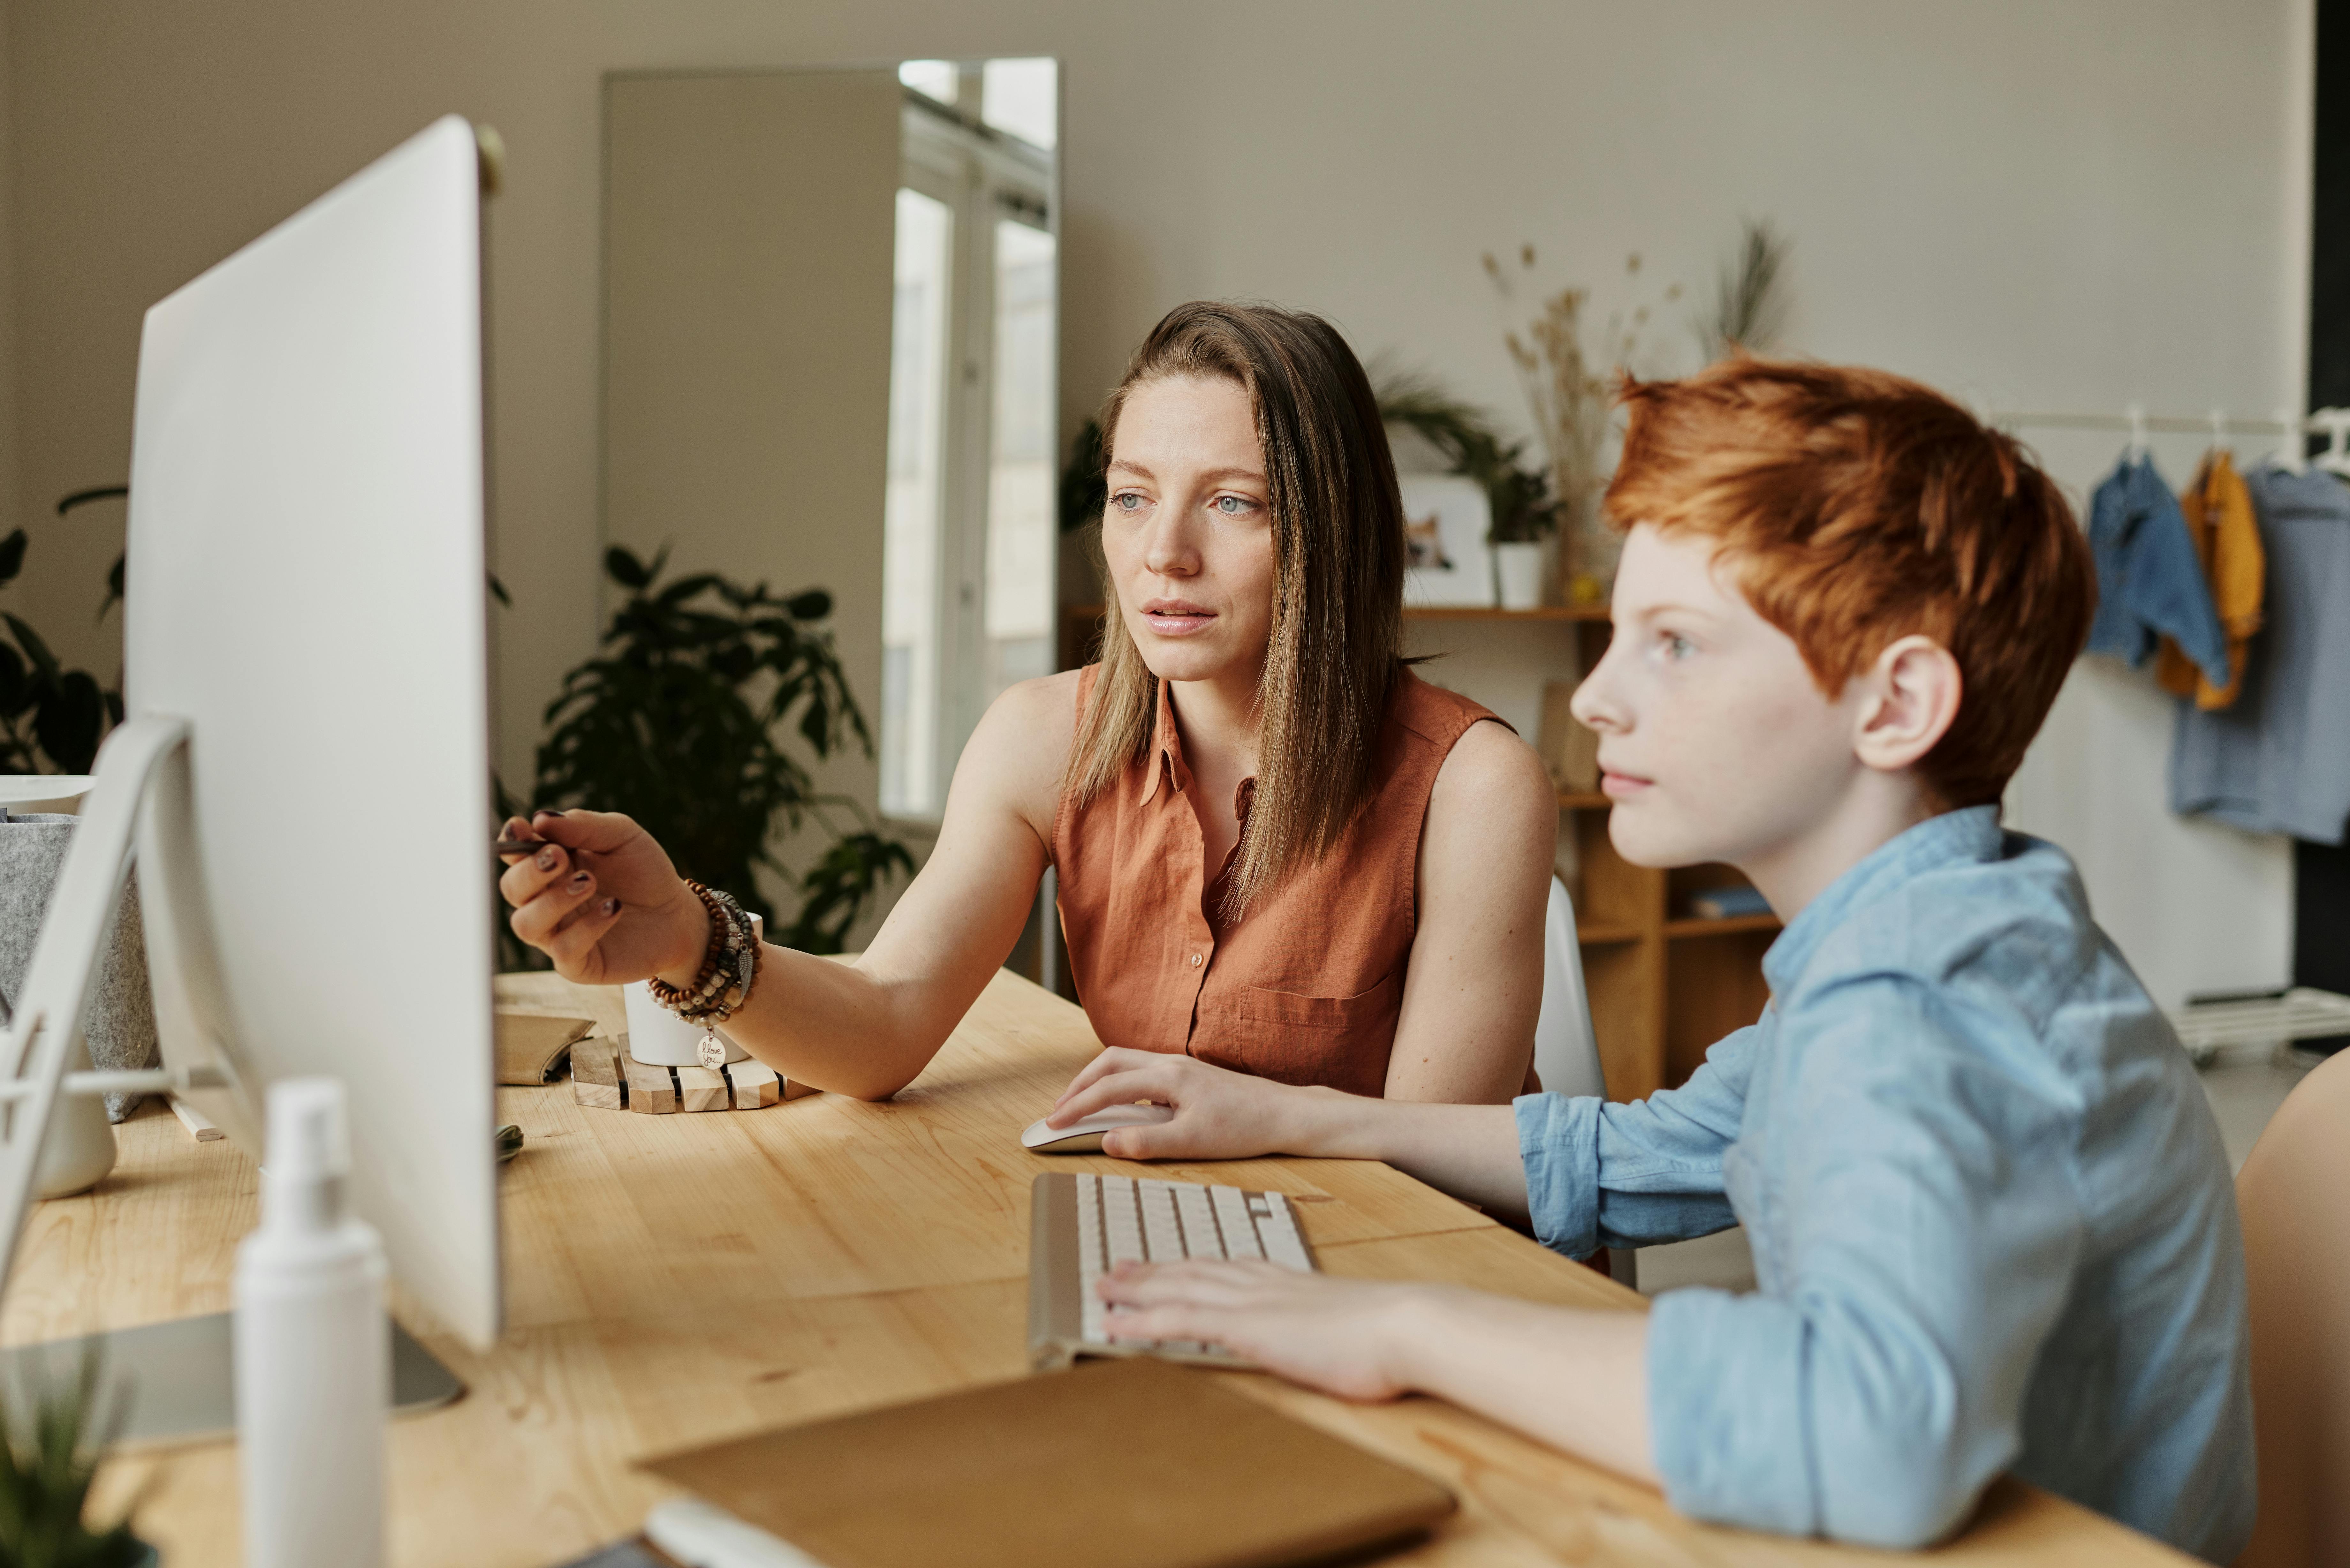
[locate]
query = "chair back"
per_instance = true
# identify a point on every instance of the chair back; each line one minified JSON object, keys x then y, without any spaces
{"x":1566,"y":1053}
{"x":2294,"y":1195}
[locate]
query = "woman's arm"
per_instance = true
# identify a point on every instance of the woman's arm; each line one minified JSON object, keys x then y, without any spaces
{"x":1473,"y":987}
{"x":608,"y":906}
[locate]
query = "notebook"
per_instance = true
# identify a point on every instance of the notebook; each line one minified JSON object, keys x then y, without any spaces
{"x":1119,"y":1464}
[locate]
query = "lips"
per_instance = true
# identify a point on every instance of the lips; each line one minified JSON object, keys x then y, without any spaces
{"x":1176,"y":618}
{"x":1617,"y":785}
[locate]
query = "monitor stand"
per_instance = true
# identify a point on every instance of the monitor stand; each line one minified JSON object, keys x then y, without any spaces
{"x":182,"y":1374}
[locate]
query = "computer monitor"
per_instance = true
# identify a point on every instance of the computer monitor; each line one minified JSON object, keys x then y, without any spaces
{"x":308,"y":735}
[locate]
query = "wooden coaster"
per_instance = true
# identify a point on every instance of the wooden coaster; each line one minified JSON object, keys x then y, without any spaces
{"x":605,"y":1076}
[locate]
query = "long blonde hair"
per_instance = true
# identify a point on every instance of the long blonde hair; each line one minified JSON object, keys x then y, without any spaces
{"x":1336,"y":648}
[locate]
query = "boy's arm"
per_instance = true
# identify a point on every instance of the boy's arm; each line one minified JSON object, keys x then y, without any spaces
{"x":1575,"y":1378}
{"x":1926,"y":1230}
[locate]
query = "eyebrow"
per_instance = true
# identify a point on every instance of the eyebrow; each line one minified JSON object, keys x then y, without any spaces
{"x":1132,"y":467}
{"x":1671,"y":609}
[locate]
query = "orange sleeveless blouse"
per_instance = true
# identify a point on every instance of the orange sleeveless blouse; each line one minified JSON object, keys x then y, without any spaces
{"x":1305,"y":988}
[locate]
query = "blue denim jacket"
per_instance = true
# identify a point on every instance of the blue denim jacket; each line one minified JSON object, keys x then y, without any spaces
{"x":2151,"y":582}
{"x":1992,"y":1223}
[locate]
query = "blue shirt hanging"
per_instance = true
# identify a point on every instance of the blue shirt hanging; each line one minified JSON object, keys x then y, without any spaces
{"x":2278,"y":760}
{"x":2149,"y":581}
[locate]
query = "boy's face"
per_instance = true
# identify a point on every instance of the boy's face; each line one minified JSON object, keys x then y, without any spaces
{"x":1714,"y":741}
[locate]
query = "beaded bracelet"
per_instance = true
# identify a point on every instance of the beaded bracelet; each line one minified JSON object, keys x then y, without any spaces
{"x":729,"y":965}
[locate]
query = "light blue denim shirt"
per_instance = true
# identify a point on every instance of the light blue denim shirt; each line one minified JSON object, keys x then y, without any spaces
{"x":1992,"y":1223}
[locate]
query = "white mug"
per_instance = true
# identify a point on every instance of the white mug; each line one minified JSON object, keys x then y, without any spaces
{"x":660,"y":1038}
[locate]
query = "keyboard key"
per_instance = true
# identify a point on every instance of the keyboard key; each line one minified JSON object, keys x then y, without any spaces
{"x":1159,"y":1231}
{"x":1233,"y":1218}
{"x":1121,"y":1224}
{"x":1199,"y":1218}
{"x":1089,"y":1256}
{"x":1278,"y":1231}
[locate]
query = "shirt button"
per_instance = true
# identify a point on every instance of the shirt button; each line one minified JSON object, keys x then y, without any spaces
{"x":1195,"y":960}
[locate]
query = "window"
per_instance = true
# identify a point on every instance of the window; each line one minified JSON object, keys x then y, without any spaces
{"x":910,"y":550}
{"x":970,"y":562}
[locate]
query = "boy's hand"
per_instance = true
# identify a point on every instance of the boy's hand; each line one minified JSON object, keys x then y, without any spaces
{"x":1342,"y":1337}
{"x":1218,"y":1114}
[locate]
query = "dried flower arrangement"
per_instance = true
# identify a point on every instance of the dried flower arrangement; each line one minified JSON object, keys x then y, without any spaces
{"x":1571,"y":399}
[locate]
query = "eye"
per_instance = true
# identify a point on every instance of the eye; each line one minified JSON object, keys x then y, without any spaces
{"x":1233,"y":505}
{"x":1126,"y":501}
{"x":1676,"y":647}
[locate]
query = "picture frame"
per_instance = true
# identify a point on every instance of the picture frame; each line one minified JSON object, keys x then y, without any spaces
{"x":1447,"y":561}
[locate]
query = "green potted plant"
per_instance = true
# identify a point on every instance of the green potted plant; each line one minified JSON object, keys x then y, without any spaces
{"x":51,"y":718}
{"x":1525,"y":513}
{"x":681,"y":721}
{"x":46,"y":1472}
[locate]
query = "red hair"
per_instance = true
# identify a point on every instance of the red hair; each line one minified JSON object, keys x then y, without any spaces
{"x":1856,"y":508}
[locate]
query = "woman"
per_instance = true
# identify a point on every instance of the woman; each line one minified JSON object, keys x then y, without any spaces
{"x":1278,"y":849}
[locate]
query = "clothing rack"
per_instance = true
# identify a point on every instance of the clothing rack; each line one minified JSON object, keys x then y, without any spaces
{"x":2333,"y":423}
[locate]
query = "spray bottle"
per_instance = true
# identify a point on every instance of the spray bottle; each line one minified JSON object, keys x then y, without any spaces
{"x":313,"y":1348}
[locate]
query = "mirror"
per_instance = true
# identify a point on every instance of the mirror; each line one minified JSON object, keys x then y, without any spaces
{"x":831,"y":335}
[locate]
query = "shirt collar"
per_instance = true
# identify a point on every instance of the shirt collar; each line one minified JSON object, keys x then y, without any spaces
{"x":1165,"y":750}
{"x":1972,"y":834}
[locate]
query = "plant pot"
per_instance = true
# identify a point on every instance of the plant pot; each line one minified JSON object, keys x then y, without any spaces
{"x":120,"y":1024}
{"x":1518,"y":573}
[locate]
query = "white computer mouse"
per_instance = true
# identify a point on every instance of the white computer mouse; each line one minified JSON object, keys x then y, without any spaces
{"x":1084,"y":1135}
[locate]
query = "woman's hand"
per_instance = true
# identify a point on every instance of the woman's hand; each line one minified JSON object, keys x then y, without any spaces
{"x":1218,"y":1114}
{"x":1347,"y":1337}
{"x":602,"y":900}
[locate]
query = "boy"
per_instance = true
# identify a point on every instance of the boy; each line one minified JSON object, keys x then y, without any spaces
{"x":1992,"y":1220}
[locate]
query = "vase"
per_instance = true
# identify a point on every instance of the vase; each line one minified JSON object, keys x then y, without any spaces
{"x":1518,"y":573}
{"x":121,"y":1020}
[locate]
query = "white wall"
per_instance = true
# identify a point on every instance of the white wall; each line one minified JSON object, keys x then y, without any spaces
{"x":2055,"y":202}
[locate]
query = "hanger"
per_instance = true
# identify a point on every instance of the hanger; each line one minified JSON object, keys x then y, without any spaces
{"x":2335,"y":423}
{"x":2292,"y":451}
{"x":2219,"y":429}
{"x":2136,"y":416}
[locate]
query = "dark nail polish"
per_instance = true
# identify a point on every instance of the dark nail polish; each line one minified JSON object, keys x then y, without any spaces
{"x":611,"y":905}
{"x":546,"y":860}
{"x":579,"y":880}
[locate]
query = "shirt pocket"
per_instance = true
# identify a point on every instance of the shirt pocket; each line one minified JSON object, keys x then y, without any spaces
{"x":1339,"y":1042}
{"x":1290,"y":1010}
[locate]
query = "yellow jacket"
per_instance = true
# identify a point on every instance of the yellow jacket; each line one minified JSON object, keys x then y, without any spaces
{"x":2220,"y":519}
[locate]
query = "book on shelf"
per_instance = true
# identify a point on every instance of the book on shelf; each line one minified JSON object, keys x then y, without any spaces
{"x":1729,"y":904}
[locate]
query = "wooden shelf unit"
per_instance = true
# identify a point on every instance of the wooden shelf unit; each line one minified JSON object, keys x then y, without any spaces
{"x":1664,"y":985}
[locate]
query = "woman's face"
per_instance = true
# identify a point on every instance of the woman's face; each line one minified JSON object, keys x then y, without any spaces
{"x":1188,"y":529}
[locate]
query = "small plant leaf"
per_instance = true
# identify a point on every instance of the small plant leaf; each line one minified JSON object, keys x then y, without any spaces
{"x":623,"y":567}
{"x":15,"y":682}
{"x":808,"y":604}
{"x":11,"y":557}
{"x":45,"y":663}
{"x":69,"y":721}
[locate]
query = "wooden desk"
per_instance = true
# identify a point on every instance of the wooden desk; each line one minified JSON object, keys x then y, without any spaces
{"x":675,"y":1279}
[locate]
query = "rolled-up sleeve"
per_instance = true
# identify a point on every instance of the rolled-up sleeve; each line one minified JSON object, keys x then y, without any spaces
{"x":1599,"y":1174}
{"x":1931,"y":1228}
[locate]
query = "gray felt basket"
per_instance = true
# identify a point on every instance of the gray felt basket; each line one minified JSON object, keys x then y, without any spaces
{"x":121,"y":1024}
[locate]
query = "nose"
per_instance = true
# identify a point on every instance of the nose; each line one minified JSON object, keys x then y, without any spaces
{"x":1597,"y":702}
{"x":1169,"y":549}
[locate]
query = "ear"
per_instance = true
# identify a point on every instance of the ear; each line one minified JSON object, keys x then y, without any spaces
{"x":1913,"y":692}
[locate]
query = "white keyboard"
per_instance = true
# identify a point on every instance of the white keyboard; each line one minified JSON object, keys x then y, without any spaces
{"x":1083,"y":1226}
